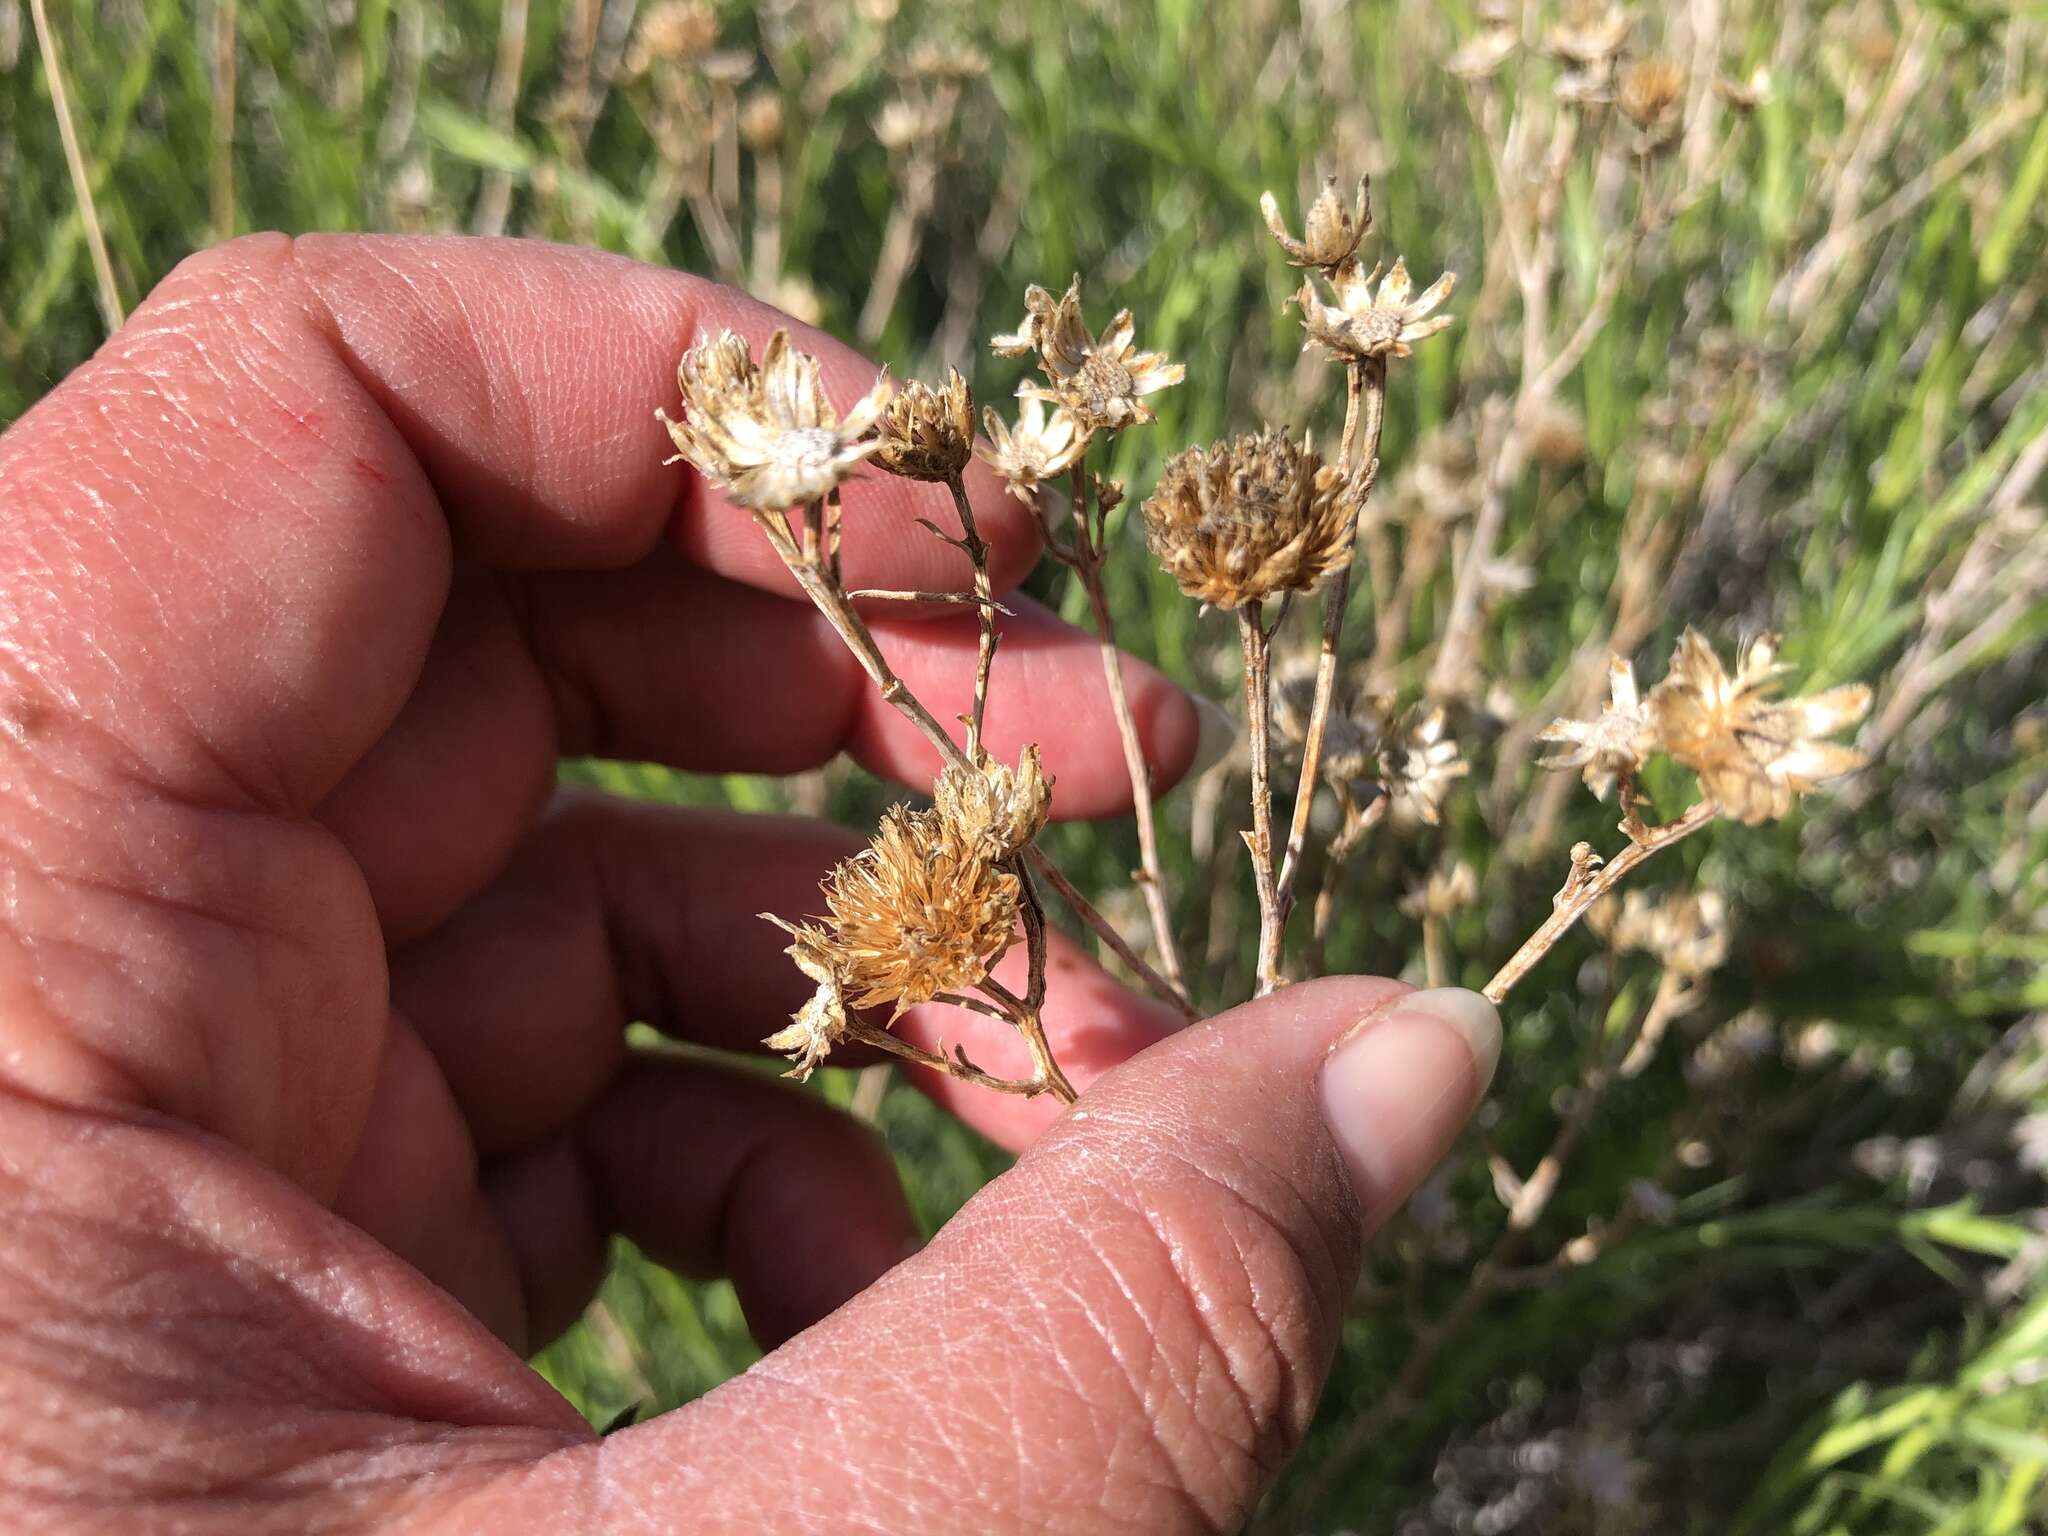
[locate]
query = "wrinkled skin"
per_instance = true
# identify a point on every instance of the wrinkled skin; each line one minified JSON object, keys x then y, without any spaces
{"x":315,"y":1105}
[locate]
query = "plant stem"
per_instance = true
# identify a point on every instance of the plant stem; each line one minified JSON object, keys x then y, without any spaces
{"x":985,"y":602}
{"x":1366,"y":396}
{"x":1087,"y":561}
{"x":1336,"y":860}
{"x":1590,"y":880}
{"x":1253,"y":636}
{"x":74,"y":160}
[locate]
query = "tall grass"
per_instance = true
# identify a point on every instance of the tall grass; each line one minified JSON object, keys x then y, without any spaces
{"x":1791,"y":1280}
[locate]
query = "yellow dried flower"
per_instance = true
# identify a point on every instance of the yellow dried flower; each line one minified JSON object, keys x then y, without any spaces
{"x":926,"y":433}
{"x":1420,"y":765}
{"x":1245,"y":519}
{"x":821,"y":1023}
{"x":1331,"y":231}
{"x":1650,"y":94}
{"x":1616,"y":743}
{"x":768,"y":436}
{"x":1362,"y":324}
{"x":1038,"y":448}
{"x":1102,"y":379}
{"x":1753,"y":754}
{"x":924,"y":909}
{"x":1004,"y":807}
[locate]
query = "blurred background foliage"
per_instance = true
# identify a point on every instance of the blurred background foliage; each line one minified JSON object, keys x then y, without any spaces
{"x":1791,"y":1278}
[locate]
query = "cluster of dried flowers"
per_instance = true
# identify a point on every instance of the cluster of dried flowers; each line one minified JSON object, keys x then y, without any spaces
{"x":1247,"y":524}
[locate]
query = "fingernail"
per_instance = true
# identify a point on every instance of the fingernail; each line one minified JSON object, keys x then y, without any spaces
{"x":1216,"y":734}
{"x":1397,"y":1090}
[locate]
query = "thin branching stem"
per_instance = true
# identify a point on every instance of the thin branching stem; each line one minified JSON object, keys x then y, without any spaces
{"x":1590,"y":880}
{"x":1365,"y":406}
{"x":1087,"y":560}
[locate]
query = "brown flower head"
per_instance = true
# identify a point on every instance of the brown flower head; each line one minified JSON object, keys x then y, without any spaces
{"x":1616,"y":743}
{"x":1420,"y":764}
{"x":1101,"y":380}
{"x":760,"y":119}
{"x":1753,"y":754}
{"x":926,"y":433}
{"x":821,"y":1023}
{"x":1239,"y":521}
{"x":1002,"y":807}
{"x":768,"y":436}
{"x":1592,"y":42}
{"x":672,"y":33}
{"x":1362,"y":324}
{"x":1649,"y":96}
{"x":924,"y":909}
{"x":1745,"y":95}
{"x":1038,"y":448}
{"x":1331,"y":230}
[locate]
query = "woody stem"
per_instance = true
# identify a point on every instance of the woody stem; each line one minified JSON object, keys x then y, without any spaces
{"x":1255,"y":640}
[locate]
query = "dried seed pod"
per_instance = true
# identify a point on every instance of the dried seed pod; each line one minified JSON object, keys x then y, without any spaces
{"x":1331,"y":231}
{"x":926,"y":433}
{"x":1100,"y":379}
{"x":1616,"y":743}
{"x":760,"y":120}
{"x":1246,"y":519}
{"x":1650,"y":95}
{"x":1006,"y":807}
{"x":822,"y":1022}
{"x":1420,"y":764}
{"x":1037,"y":449}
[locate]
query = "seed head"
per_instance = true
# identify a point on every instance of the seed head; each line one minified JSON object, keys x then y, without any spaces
{"x":760,"y":120}
{"x":1593,"y":42}
{"x":768,"y":436}
{"x":1745,"y":95}
{"x":1239,"y":521}
{"x":1650,"y":94}
{"x":1362,"y":324}
{"x":1686,"y":931}
{"x":1420,"y":764}
{"x":1038,"y":448}
{"x":1101,"y":380}
{"x":923,"y":909}
{"x":672,"y":33}
{"x":1753,"y":754}
{"x":1616,"y":743}
{"x":997,"y":806}
{"x":1447,"y":892}
{"x":1481,"y":57}
{"x":926,"y":433}
{"x":1331,"y":230}
{"x":821,"y":1023}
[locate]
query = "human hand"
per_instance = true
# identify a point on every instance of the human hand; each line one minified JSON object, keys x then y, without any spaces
{"x":314,"y":1100}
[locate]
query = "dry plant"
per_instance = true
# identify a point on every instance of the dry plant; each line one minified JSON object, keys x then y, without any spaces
{"x":1246,"y":525}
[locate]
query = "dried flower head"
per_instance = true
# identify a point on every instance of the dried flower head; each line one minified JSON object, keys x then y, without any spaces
{"x":934,"y":60}
{"x":1616,"y":743}
{"x":768,"y":436}
{"x":1446,"y":893}
{"x":1257,"y":515}
{"x":821,"y":1023}
{"x":1753,"y":754}
{"x":1555,"y":433}
{"x":926,"y":433}
{"x":1420,"y":764}
{"x":1482,"y":55}
{"x":1001,"y":806}
{"x":1686,"y":931}
{"x":907,"y":122}
{"x":760,"y":119}
{"x":672,"y":33}
{"x":1650,"y":94}
{"x":1592,"y":41}
{"x":1745,"y":95}
{"x":1102,"y":379}
{"x":1331,"y":230}
{"x":924,"y":909}
{"x":1037,"y":449}
{"x":1363,"y":324}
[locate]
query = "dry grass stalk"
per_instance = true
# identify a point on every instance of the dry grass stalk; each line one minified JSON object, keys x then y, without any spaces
{"x":74,"y":160}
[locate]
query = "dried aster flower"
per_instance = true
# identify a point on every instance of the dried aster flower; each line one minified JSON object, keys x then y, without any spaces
{"x":1420,"y":765}
{"x":1649,"y":96}
{"x":1686,"y":931}
{"x":1101,"y":379}
{"x":1331,"y":231}
{"x":1038,"y":448}
{"x":1001,"y":806}
{"x":1745,"y":95}
{"x":1482,"y":55}
{"x":1245,"y":519}
{"x":821,"y":1023}
{"x":1616,"y":743}
{"x":924,"y":909}
{"x":768,"y":436}
{"x":1447,"y":892}
{"x":1592,"y":43}
{"x":926,"y":433}
{"x":1363,"y":324}
{"x":1753,"y":754}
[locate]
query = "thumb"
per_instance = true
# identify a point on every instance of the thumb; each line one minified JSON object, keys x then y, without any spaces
{"x":1127,"y":1331}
